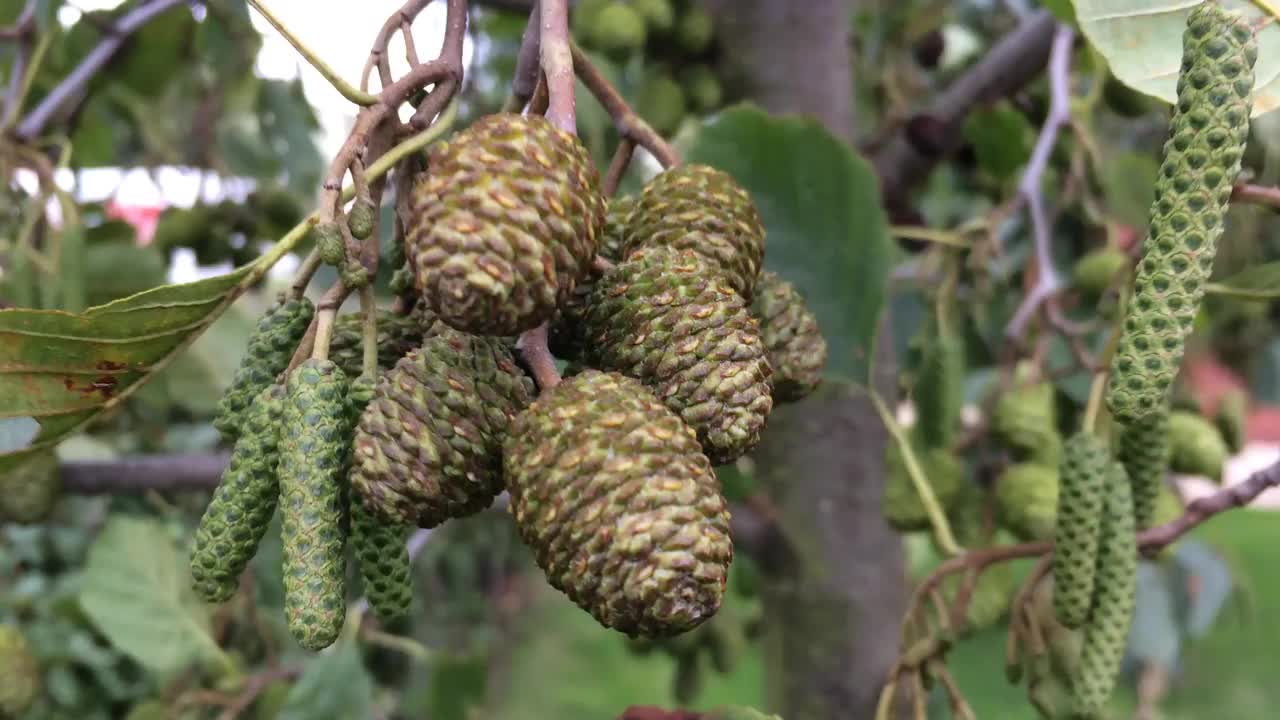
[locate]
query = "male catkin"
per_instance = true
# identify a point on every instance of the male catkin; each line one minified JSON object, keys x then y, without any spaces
{"x":1202,"y":156}
{"x":1082,"y":480}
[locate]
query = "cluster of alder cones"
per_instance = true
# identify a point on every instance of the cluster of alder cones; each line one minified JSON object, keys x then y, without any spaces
{"x":677,"y":346}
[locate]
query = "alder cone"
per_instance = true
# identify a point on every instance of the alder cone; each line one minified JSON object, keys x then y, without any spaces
{"x":664,"y":318}
{"x":1143,"y":448}
{"x":428,"y":447}
{"x":1026,"y":496}
{"x":270,"y":349}
{"x":699,"y":208}
{"x":30,"y":490}
{"x":614,"y":237}
{"x":19,"y":674}
{"x":240,"y":512}
{"x":1081,"y":499}
{"x":621,"y":508}
{"x":315,"y":435}
{"x":397,"y":335}
{"x":794,"y":343}
{"x":504,"y":225}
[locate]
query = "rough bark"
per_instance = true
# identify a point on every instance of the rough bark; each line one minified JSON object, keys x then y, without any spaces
{"x":834,"y":596}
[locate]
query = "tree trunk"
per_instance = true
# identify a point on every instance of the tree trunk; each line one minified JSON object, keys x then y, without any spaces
{"x":834,"y":598}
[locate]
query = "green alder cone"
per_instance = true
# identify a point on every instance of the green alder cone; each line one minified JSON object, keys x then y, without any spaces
{"x":330,"y":244}
{"x":380,"y":547}
{"x":939,"y":391}
{"x":240,"y":512}
{"x":1113,"y":601}
{"x":1025,"y":421}
{"x":428,"y":448}
{"x":901,"y":503}
{"x":661,"y":102}
{"x":30,"y":490}
{"x":696,"y":207}
{"x":1196,"y":446}
{"x":314,"y":446}
{"x":271,"y":347}
{"x":566,"y":334}
{"x":659,"y":15}
{"x":1232,"y":420}
{"x":1207,"y":137}
{"x":1081,"y":496}
{"x":1026,"y":497}
{"x":695,"y":30}
{"x":504,"y":225}
{"x":384,"y":562}
{"x":702,"y":87}
{"x":623,"y":513}
{"x":19,"y":674}
{"x":1093,"y":273}
{"x":664,"y":318}
{"x":1142,"y":446}
{"x":794,"y":343}
{"x":397,"y":335}
{"x":618,"y":29}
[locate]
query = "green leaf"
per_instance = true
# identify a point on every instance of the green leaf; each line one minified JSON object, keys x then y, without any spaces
{"x":1001,"y":139}
{"x":137,"y":591}
{"x":827,"y":232}
{"x":1142,"y":42}
{"x":63,"y":369}
{"x":1128,"y":181}
{"x":335,"y":685}
{"x":1260,"y":282}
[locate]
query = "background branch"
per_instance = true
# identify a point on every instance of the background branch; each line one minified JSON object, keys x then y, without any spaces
{"x":141,"y":474}
{"x":557,"y":64}
{"x":69,"y":90}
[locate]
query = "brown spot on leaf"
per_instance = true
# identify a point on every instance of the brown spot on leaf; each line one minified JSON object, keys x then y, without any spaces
{"x":111,"y":366}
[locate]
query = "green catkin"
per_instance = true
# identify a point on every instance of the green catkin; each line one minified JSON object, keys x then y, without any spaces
{"x":1207,"y":137}
{"x":1113,"y":602}
{"x":241,"y":509}
{"x":314,"y":447}
{"x":1143,"y":449}
{"x":270,"y":348}
{"x":939,"y":394}
{"x":1080,"y":502}
{"x":379,"y":546}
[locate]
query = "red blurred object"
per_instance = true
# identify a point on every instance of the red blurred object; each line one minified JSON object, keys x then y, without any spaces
{"x":648,"y":712}
{"x":143,"y":218}
{"x":1210,"y":380}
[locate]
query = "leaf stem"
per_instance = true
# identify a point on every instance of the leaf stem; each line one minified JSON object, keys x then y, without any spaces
{"x":937,"y":518}
{"x":942,"y":237}
{"x":347,"y":90}
{"x":1269,"y":8}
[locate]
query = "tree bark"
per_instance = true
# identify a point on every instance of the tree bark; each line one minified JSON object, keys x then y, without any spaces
{"x":834,"y":597}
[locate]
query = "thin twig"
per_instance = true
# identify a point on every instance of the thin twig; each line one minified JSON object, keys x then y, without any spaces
{"x":626,"y":120}
{"x":557,"y":64}
{"x":533,"y":349}
{"x":141,"y":474}
{"x":347,"y":90}
{"x":1029,"y":191}
{"x":24,"y":26}
{"x":78,"y":79}
{"x":255,"y":685}
{"x":525,"y":80}
{"x":1258,"y":194}
{"x":618,"y":166}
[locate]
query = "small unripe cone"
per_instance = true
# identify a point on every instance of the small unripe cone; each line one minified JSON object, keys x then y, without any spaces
{"x":663,"y":317}
{"x":1143,"y":448}
{"x":619,"y":505}
{"x":19,"y":674}
{"x":1025,"y":420}
{"x":1201,"y":160}
{"x":315,"y":434}
{"x":1113,"y":601}
{"x":397,"y":335}
{"x":240,"y":512}
{"x":505,"y":223}
{"x":939,"y":392}
{"x":1094,"y":272}
{"x":1233,"y":419}
{"x":360,"y":220}
{"x":1195,"y":446}
{"x":794,"y":343}
{"x":901,"y":503}
{"x":30,"y":490}
{"x":699,"y":208}
{"x":428,"y":447}
{"x":271,"y":347}
{"x":1027,"y":500}
{"x":1081,"y":497}
{"x":330,"y":244}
